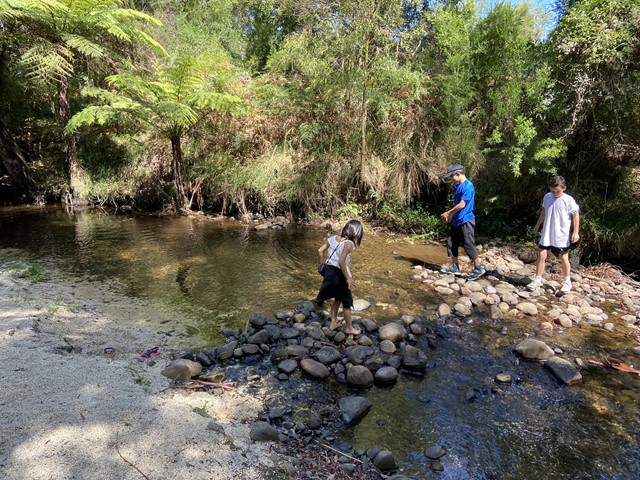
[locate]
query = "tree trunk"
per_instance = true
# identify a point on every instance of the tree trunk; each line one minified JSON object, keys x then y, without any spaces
{"x":14,"y":163}
{"x":179,"y":175}
{"x":75,"y":176}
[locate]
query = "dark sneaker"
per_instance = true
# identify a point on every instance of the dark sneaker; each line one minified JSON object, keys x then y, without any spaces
{"x":477,"y":272}
{"x":454,"y":268}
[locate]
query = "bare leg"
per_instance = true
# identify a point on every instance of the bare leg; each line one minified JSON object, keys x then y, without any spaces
{"x":350,"y":330}
{"x":566,"y":266}
{"x":334,"y":315}
{"x":542,"y":258}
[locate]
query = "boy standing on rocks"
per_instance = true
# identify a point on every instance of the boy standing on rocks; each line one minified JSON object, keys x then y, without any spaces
{"x":463,"y":223}
{"x":561,"y":216}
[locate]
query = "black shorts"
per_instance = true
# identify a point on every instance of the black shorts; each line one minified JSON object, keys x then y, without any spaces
{"x":555,"y":250}
{"x":335,"y":286}
{"x":463,"y":236}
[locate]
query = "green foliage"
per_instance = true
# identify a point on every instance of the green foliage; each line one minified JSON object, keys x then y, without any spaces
{"x":413,"y":219}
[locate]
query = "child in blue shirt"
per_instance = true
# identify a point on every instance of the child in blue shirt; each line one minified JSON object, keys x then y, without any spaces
{"x":463,"y":223}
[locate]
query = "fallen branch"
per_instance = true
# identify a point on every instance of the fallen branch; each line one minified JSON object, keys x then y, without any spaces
{"x":200,"y":383}
{"x":127,"y":461}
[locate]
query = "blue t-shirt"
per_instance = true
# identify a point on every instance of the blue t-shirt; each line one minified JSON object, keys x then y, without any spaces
{"x":467,"y":192}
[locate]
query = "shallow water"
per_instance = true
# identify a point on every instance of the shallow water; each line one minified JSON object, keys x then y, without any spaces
{"x":198,"y":276}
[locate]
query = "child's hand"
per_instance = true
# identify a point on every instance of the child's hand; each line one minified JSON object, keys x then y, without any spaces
{"x":575,"y":236}
{"x":445,"y":216}
{"x":351,"y":283}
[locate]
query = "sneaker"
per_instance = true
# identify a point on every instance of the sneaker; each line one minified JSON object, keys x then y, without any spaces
{"x":566,"y":286}
{"x":454,"y":268}
{"x":477,"y":272}
{"x":534,"y":285}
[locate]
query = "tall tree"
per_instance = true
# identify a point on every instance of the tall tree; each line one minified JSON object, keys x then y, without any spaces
{"x":62,"y":34}
{"x":169,"y":101}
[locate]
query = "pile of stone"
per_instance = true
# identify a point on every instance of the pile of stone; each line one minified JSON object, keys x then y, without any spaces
{"x":503,"y":291}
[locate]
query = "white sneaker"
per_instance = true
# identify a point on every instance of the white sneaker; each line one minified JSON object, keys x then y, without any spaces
{"x":566,"y":286}
{"x":536,"y":284}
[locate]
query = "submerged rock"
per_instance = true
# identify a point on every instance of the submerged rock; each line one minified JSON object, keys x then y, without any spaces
{"x":534,"y":349}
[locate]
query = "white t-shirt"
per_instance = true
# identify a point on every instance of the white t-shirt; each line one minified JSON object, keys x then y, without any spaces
{"x":335,"y":251}
{"x":557,"y":220}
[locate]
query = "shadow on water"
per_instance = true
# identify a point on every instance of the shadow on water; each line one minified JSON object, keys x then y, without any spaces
{"x":201,"y":276}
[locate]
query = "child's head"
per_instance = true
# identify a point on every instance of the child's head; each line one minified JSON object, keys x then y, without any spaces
{"x":557,"y":186}
{"x":455,"y":172}
{"x":353,"y":231}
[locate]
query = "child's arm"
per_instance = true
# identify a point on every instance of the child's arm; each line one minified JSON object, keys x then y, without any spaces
{"x":448,"y":215}
{"x":348,"y":248}
{"x":321,"y":251}
{"x":575,"y":235}
{"x":539,"y":222}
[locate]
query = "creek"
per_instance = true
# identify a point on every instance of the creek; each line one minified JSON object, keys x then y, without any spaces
{"x":197,"y":276}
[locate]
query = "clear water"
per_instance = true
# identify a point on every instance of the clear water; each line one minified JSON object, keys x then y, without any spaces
{"x":197,"y":276}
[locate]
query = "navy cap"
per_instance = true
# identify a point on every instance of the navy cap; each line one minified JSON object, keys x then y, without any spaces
{"x":456,"y":167}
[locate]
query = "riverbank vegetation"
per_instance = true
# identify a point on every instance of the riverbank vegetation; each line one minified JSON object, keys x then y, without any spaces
{"x":332,"y":108}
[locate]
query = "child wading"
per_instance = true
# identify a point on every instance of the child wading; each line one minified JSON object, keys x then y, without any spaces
{"x":338,"y":281}
{"x":463,"y":223}
{"x":561,"y":228}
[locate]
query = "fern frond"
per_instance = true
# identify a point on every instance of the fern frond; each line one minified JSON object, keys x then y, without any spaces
{"x":218,"y":102}
{"x":178,"y":113}
{"x":84,"y":45}
{"x":47,"y":62}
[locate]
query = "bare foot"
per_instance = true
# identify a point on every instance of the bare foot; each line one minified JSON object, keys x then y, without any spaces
{"x":334,"y":325}
{"x":352,"y":331}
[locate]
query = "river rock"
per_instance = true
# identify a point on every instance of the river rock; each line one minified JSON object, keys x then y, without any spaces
{"x":385,"y":461}
{"x":287,"y":366}
{"x":182,"y":370}
{"x":258,"y":320}
{"x":225,"y":352}
{"x":386,"y":375}
{"x":369,"y":325}
{"x":314,"y":368}
{"x":564,"y":321}
{"x":360,"y":305}
{"x":527,"y":308}
{"x":563,"y":370}
{"x":327,"y":355}
{"x":392,"y":331}
{"x":434,"y":452}
{"x":444,"y":310}
{"x":353,"y":408}
{"x":296,"y":351}
{"x":260,"y":337}
{"x":263,"y":432}
{"x":496,"y":313}
{"x":360,"y":376}
{"x":359,"y":353}
{"x":444,"y":291}
{"x":534,"y":349}
{"x":414,"y":359}
{"x":462,"y":309}
{"x":387,"y":346}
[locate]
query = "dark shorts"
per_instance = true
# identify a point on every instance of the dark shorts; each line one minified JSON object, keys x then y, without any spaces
{"x":335,"y":286}
{"x":555,"y":250}
{"x":463,"y":236}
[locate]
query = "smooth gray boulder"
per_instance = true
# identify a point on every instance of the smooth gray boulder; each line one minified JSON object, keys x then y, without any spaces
{"x":353,"y":408}
{"x":534,"y":349}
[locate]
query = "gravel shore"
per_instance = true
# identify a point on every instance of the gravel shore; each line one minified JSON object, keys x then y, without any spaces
{"x":70,"y":411}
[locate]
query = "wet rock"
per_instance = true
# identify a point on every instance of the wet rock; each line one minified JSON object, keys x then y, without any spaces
{"x":182,"y":370}
{"x":527,"y":308}
{"x":434,"y":452}
{"x":534,"y":349}
{"x":503,"y":378}
{"x":353,"y":408}
{"x":386,"y":376}
{"x":315,"y":421}
{"x":225,"y":352}
{"x":296,"y":351}
{"x":250,"y":349}
{"x":263,"y":432}
{"x":358,"y":354}
{"x":394,"y":332}
{"x":288,"y":366}
{"x":327,"y":355}
{"x":289,"y":332}
{"x":414,"y":359}
{"x":444,"y":310}
{"x":258,"y":320}
{"x":387,"y":346}
{"x":314,"y":368}
{"x":365,"y":341}
{"x":462,"y":309}
{"x":564,"y":370}
{"x":496,"y":313}
{"x":262,"y":336}
{"x":385,"y":461}
{"x":360,"y":376}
